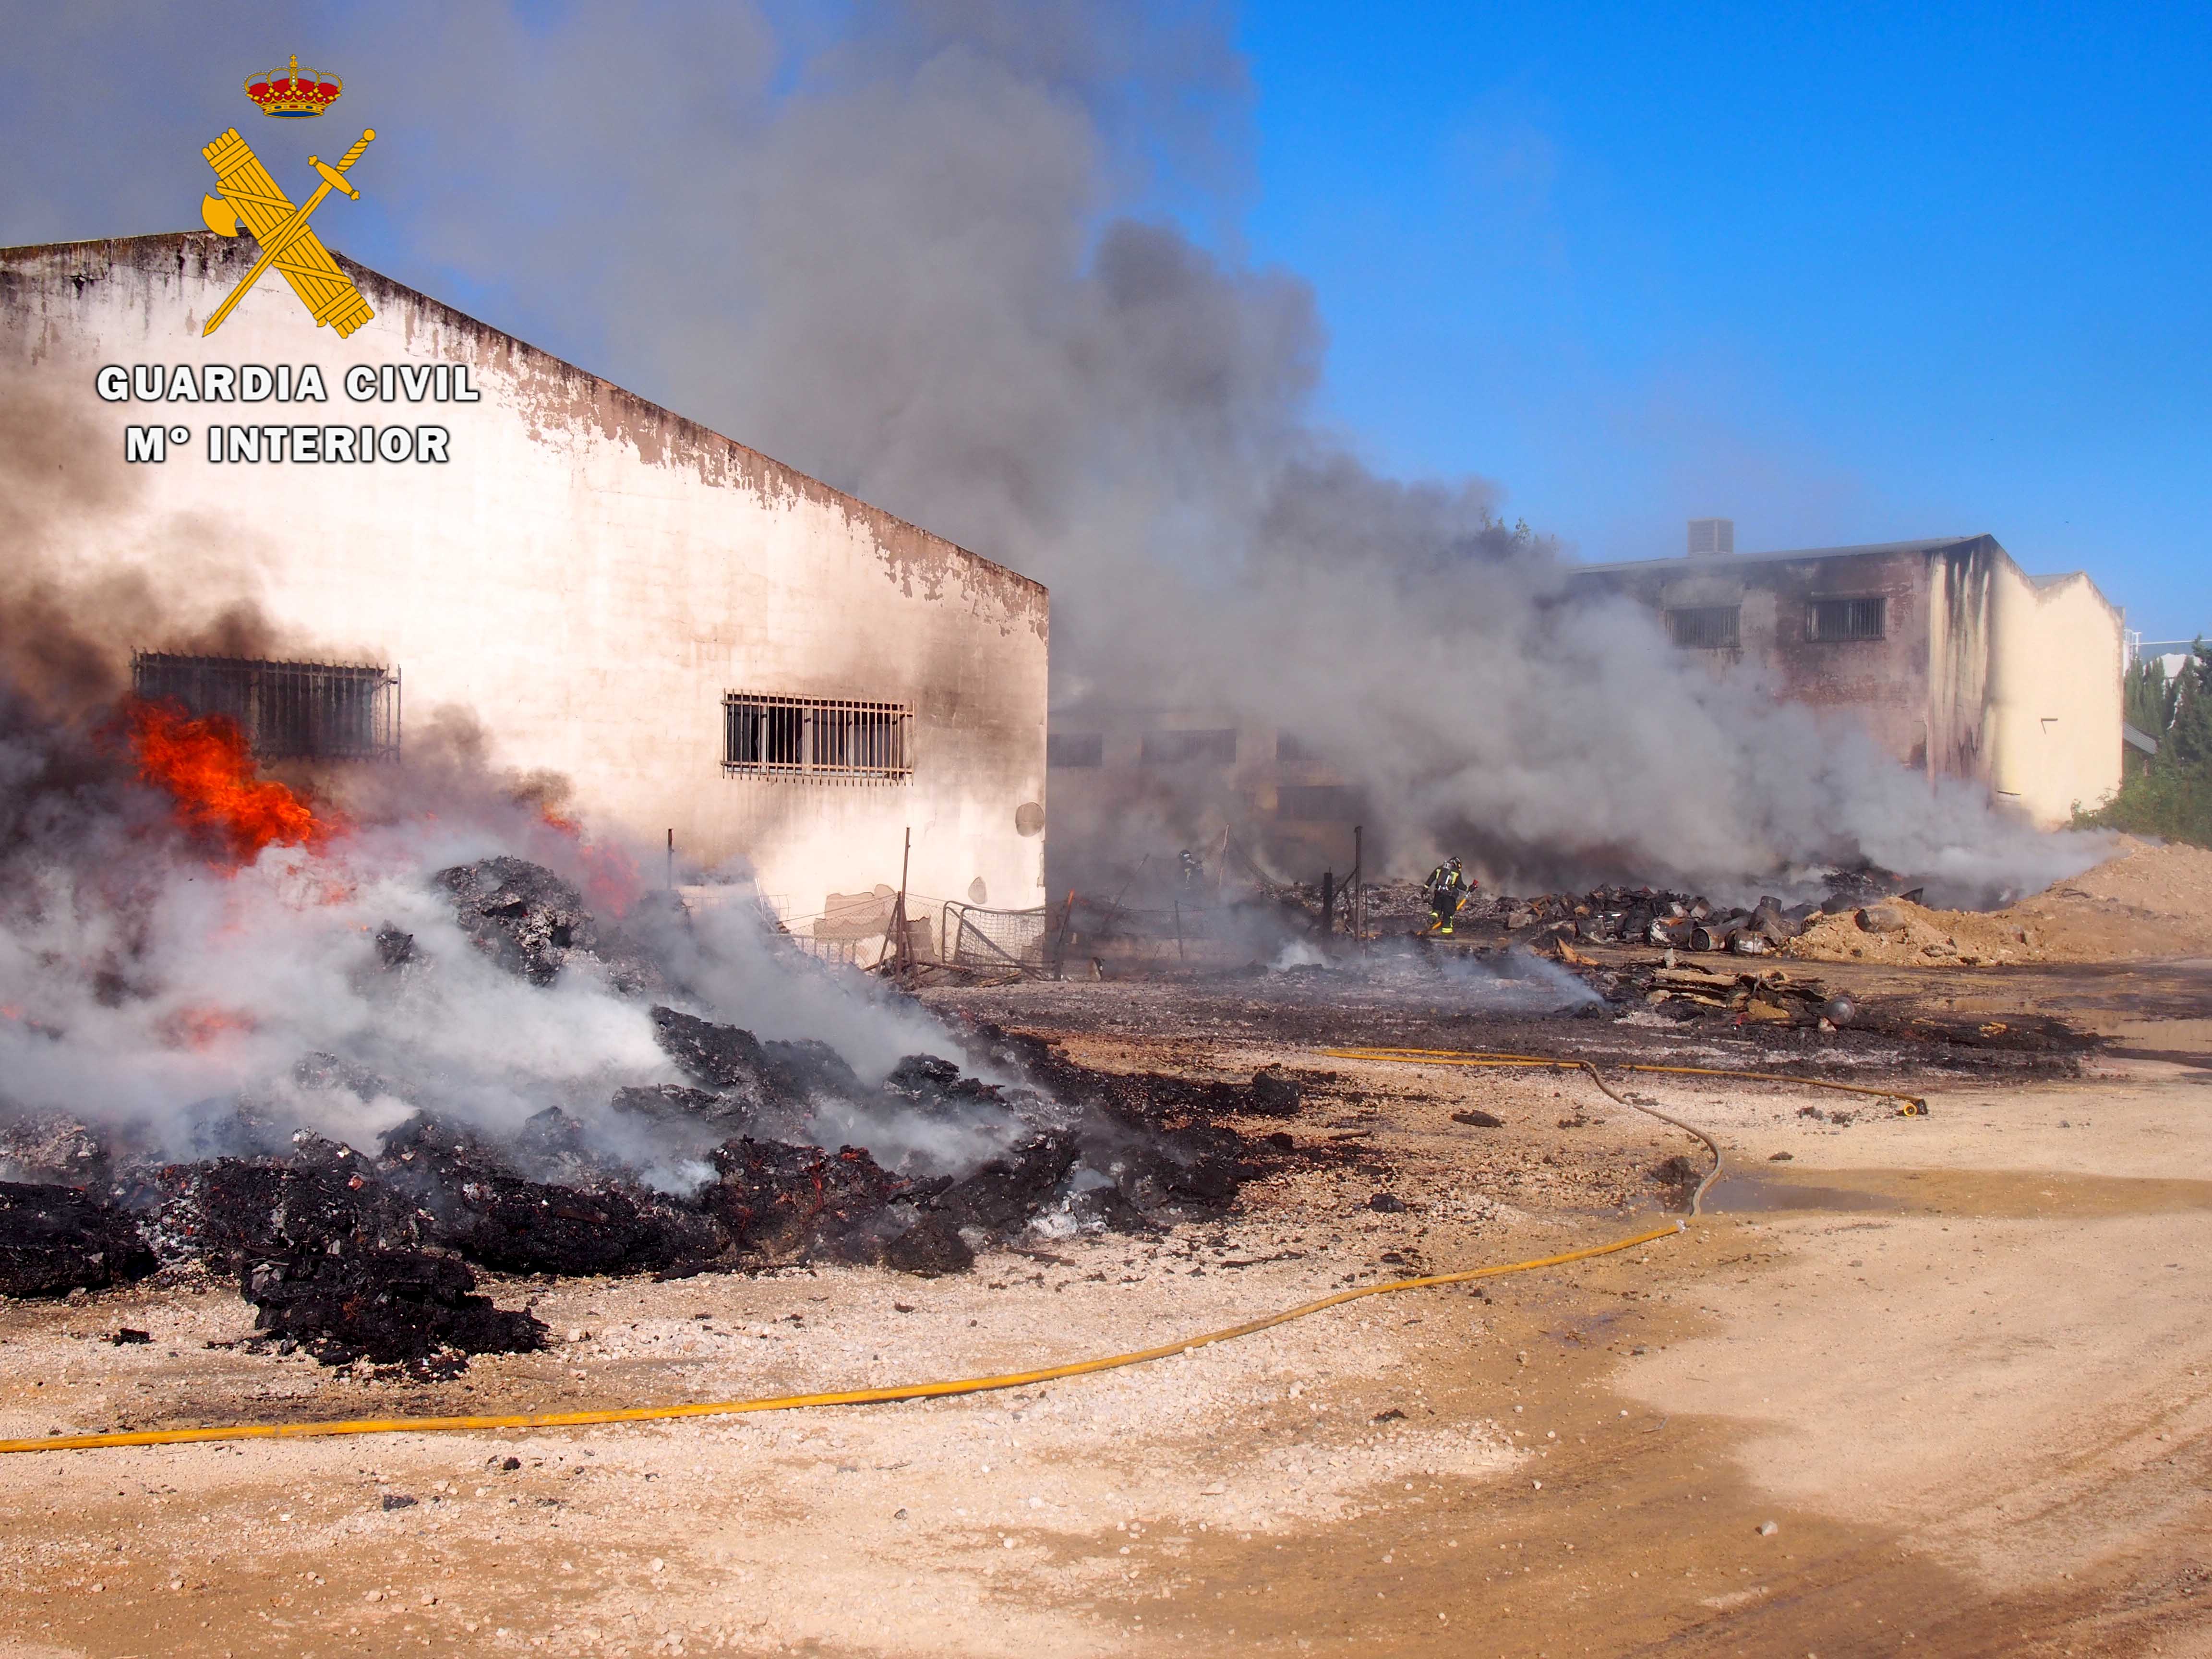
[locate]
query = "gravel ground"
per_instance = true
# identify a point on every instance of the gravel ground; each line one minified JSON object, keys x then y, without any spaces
{"x":1956,"y":1362}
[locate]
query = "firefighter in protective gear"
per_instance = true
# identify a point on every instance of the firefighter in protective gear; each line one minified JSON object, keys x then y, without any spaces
{"x":1447,"y":888}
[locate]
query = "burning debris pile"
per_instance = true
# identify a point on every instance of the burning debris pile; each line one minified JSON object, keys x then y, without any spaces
{"x":357,"y":1252}
{"x":333,"y":1062}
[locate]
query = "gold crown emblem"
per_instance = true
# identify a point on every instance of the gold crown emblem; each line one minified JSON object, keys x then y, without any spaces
{"x":295,"y":92}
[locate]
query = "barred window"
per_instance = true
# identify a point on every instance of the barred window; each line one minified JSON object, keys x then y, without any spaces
{"x":1183,"y":748}
{"x":1075,"y":748}
{"x":828,"y":737}
{"x":1705,"y":627}
{"x":1828,"y":620}
{"x":288,"y":710}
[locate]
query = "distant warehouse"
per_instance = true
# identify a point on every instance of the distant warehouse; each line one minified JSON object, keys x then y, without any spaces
{"x":1959,"y":662}
{"x":700,"y":641}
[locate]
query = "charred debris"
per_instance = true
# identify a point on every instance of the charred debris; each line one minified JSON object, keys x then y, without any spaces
{"x":1634,"y":915}
{"x":360,"y":1253}
{"x":1776,"y":1004}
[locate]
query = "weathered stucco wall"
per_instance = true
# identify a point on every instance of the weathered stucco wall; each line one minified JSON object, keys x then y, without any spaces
{"x":586,"y":576}
{"x":1960,"y":581}
{"x":2055,"y":695}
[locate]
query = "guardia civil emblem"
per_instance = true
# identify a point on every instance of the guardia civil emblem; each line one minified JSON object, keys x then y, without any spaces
{"x":250,"y":195}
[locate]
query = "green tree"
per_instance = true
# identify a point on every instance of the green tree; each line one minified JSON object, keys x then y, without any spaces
{"x":2188,"y":732}
{"x":2171,"y":795}
{"x":2150,"y":697}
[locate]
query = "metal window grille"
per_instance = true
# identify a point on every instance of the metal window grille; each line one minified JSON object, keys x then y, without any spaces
{"x":1185,"y":748}
{"x":1846,"y":619}
{"x":1075,"y":748}
{"x":288,"y":710}
{"x":811,"y":737}
{"x":1705,"y":627}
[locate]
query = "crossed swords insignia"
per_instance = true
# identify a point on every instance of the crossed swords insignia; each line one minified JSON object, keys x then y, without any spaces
{"x":249,"y":194}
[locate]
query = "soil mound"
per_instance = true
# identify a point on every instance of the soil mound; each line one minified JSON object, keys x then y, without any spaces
{"x":2146,"y":902}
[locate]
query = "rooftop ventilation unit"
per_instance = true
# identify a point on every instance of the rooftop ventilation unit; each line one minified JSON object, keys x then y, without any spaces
{"x":1708,"y":537}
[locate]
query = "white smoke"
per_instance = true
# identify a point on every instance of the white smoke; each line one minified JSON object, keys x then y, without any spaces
{"x":150,"y":984}
{"x":938,"y":252}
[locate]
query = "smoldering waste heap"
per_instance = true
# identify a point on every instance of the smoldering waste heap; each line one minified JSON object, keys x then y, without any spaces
{"x":359,"y":1252}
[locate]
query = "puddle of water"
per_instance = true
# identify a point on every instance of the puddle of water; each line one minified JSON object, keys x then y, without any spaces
{"x":1747,"y":1194}
{"x":2019,"y":1193}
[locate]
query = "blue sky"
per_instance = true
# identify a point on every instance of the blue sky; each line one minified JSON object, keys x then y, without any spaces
{"x":1845,"y":274}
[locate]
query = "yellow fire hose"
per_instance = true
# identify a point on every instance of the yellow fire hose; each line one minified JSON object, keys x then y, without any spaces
{"x":1910,"y":1105}
{"x":957,"y":1386}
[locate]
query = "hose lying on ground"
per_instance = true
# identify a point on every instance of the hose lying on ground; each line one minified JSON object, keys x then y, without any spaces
{"x":925,"y":1390}
{"x":1910,"y":1105}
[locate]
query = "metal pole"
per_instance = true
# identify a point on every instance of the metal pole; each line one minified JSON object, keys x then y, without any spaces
{"x":906,"y":860}
{"x":671,"y":860}
{"x":895,"y":929}
{"x":1059,"y":948}
{"x":1358,"y":888}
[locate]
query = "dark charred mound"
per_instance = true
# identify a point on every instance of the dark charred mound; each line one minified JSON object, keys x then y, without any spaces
{"x":783,"y":1202}
{"x":54,"y":1240}
{"x":530,"y":922}
{"x":468,"y":1199}
{"x":433,"y":1188}
{"x":373,"y":1254}
{"x":745,"y":1086}
{"x":391,"y":1307}
{"x":523,"y":916}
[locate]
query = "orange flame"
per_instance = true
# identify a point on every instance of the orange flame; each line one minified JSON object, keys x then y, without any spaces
{"x":200,"y":1027}
{"x":206,"y":764}
{"x":610,"y":882}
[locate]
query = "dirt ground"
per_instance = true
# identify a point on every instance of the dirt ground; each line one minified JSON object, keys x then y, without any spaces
{"x":2145,"y":902}
{"x":1935,"y":1384}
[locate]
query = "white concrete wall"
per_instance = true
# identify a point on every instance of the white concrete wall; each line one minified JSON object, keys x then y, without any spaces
{"x":586,"y":576}
{"x":2057,"y":662}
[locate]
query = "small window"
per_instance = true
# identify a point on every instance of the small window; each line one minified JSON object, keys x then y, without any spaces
{"x":811,"y":737}
{"x":288,"y":710}
{"x":1191,"y":748}
{"x":1075,"y":748}
{"x":1828,"y":620}
{"x":1705,"y":627}
{"x":1290,"y":750}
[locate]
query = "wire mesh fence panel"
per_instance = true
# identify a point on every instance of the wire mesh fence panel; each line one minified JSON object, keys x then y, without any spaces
{"x":977,"y":937}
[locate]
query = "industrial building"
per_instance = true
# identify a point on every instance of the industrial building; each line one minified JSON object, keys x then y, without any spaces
{"x":1960,"y":663}
{"x":1135,"y":781}
{"x":442,"y":524}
